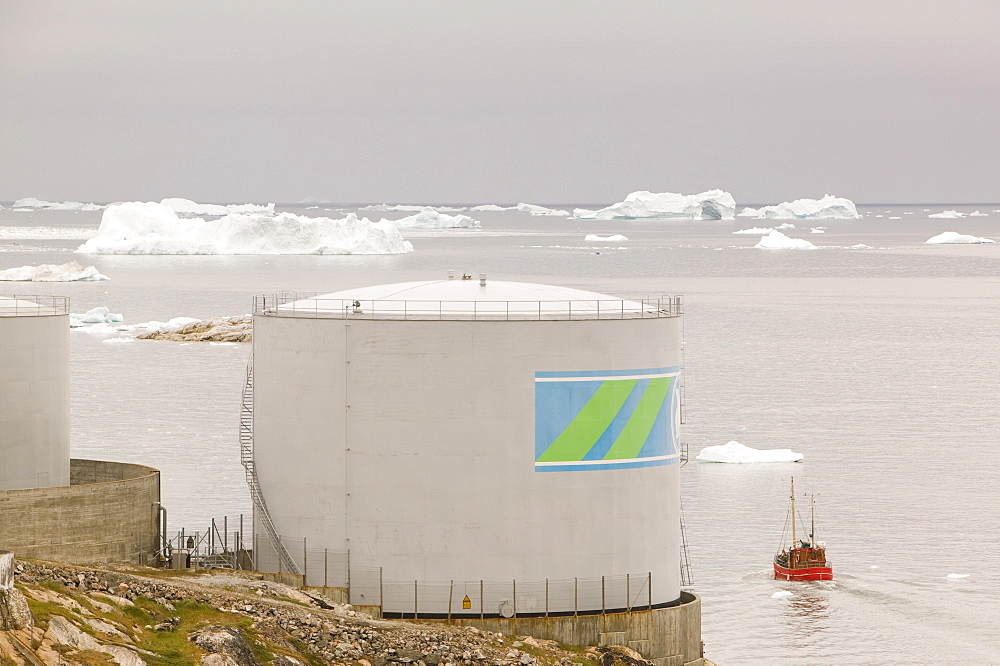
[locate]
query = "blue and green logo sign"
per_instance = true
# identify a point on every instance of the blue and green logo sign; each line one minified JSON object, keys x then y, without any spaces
{"x":616,"y":419}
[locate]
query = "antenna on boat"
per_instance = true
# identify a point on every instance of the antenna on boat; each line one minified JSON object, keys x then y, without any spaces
{"x":812,"y":529}
{"x":793,"y":512}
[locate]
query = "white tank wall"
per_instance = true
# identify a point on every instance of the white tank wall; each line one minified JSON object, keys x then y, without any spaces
{"x":413,"y":444}
{"x":34,"y":401}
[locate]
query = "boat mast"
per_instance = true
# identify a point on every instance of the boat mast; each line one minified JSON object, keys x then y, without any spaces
{"x":812,"y":530}
{"x":793,"y":512}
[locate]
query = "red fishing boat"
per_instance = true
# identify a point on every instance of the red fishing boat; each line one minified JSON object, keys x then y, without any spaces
{"x":806,"y":559}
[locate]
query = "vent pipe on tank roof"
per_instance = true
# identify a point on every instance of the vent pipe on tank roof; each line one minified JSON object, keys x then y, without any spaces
{"x":482,"y":279}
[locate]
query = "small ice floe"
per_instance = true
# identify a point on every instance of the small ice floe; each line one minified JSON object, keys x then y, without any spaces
{"x":779,"y":241}
{"x":958,"y":575}
{"x":117,"y":341}
{"x":734,"y":452}
{"x":976,"y":213}
{"x":71,"y":272}
{"x":948,"y":214}
{"x":98,"y":315}
{"x":754,"y":231}
{"x":784,"y":226}
{"x":782,"y":594}
{"x":818,"y":230}
{"x":492,"y":208}
{"x":955,"y":237}
{"x":874,"y":566}
{"x":860,"y":246}
{"x":895,"y":218}
{"x":188,"y":207}
{"x":613,"y":238}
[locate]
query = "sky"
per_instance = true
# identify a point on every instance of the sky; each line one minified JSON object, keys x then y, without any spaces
{"x":463,"y":101}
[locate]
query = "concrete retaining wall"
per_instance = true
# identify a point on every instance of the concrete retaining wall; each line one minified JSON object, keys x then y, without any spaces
{"x":107,"y":514}
{"x":666,"y":636}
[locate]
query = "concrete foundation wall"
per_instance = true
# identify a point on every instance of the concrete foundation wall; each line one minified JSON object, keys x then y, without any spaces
{"x":667,"y":636}
{"x":107,"y":514}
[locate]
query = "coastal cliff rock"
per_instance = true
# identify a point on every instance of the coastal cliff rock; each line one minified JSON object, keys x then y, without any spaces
{"x":217,"y":329}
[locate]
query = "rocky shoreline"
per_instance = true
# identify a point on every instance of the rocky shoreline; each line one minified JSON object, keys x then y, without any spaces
{"x":146,"y":617}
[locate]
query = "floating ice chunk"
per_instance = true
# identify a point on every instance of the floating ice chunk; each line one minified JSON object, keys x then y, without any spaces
{"x":734,"y":452}
{"x":955,"y":237}
{"x":493,"y":208}
{"x":405,"y":208}
{"x":188,"y":207}
{"x":782,"y":594}
{"x":779,"y":241}
{"x":818,"y":230}
{"x":429,"y":218}
{"x":957,"y":575}
{"x":948,"y":214}
{"x":748,"y":212}
{"x":110,"y":341}
{"x":709,"y":205}
{"x":754,"y":231}
{"x":785,"y":225}
{"x":98,"y":315}
{"x":895,"y":217}
{"x":71,"y":272}
{"x":613,"y":238}
{"x":827,"y":208}
{"x":148,"y":327}
{"x":31,"y":202}
{"x":152,"y":228}
{"x":540,"y":210}
{"x":976,"y":213}
{"x":860,"y":246}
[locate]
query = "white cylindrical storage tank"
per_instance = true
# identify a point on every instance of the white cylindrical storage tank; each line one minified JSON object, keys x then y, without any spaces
{"x":34,"y":392}
{"x":476,"y":430}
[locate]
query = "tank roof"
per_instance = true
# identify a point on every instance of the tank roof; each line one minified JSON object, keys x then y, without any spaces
{"x":466,"y":298}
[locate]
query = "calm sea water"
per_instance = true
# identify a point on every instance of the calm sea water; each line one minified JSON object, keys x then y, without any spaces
{"x":880,"y":365}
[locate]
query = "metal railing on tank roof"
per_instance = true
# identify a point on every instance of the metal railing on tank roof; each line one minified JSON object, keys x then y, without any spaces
{"x":33,"y":306}
{"x":292,"y":304}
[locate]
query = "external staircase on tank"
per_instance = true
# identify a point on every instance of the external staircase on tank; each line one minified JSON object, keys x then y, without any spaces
{"x":263,"y":517}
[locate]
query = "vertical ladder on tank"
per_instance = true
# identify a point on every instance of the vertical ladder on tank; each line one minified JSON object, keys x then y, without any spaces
{"x":686,"y":579}
{"x":246,"y":457}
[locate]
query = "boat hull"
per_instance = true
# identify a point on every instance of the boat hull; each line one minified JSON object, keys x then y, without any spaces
{"x":804,"y":573}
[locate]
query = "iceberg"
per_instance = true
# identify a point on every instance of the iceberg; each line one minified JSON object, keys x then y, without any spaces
{"x":430,"y":218}
{"x":405,"y":208}
{"x":749,"y":212}
{"x":188,"y":207}
{"x":779,"y":241}
{"x":493,"y":208}
{"x":954,"y":237}
{"x":734,"y":452}
{"x":99,"y":315}
{"x":860,"y":246}
{"x":754,"y":231}
{"x":709,"y":205}
{"x":613,"y":238}
{"x":948,"y":214}
{"x":71,"y":272}
{"x":31,"y":202}
{"x":827,"y":208}
{"x":152,"y":228}
{"x":540,"y":210}
{"x":976,"y":213}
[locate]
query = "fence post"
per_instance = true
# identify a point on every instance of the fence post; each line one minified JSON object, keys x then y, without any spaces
{"x":277,"y":552}
{"x":480,"y":598}
{"x":451,"y":592}
{"x":348,"y":574}
{"x":211,"y":538}
{"x":326,"y":558}
{"x":576,"y":596}
{"x":225,"y":533}
{"x":240,"y":547}
{"x":513,"y":595}
{"x":414,"y":600}
{"x":546,"y":597}
{"x":381,"y":599}
{"x":628,"y":594}
{"x":602,"y":595}
{"x":305,"y":563}
{"x":649,"y":588}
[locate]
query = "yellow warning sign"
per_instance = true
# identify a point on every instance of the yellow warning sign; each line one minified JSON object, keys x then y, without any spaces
{"x":466,"y":602}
